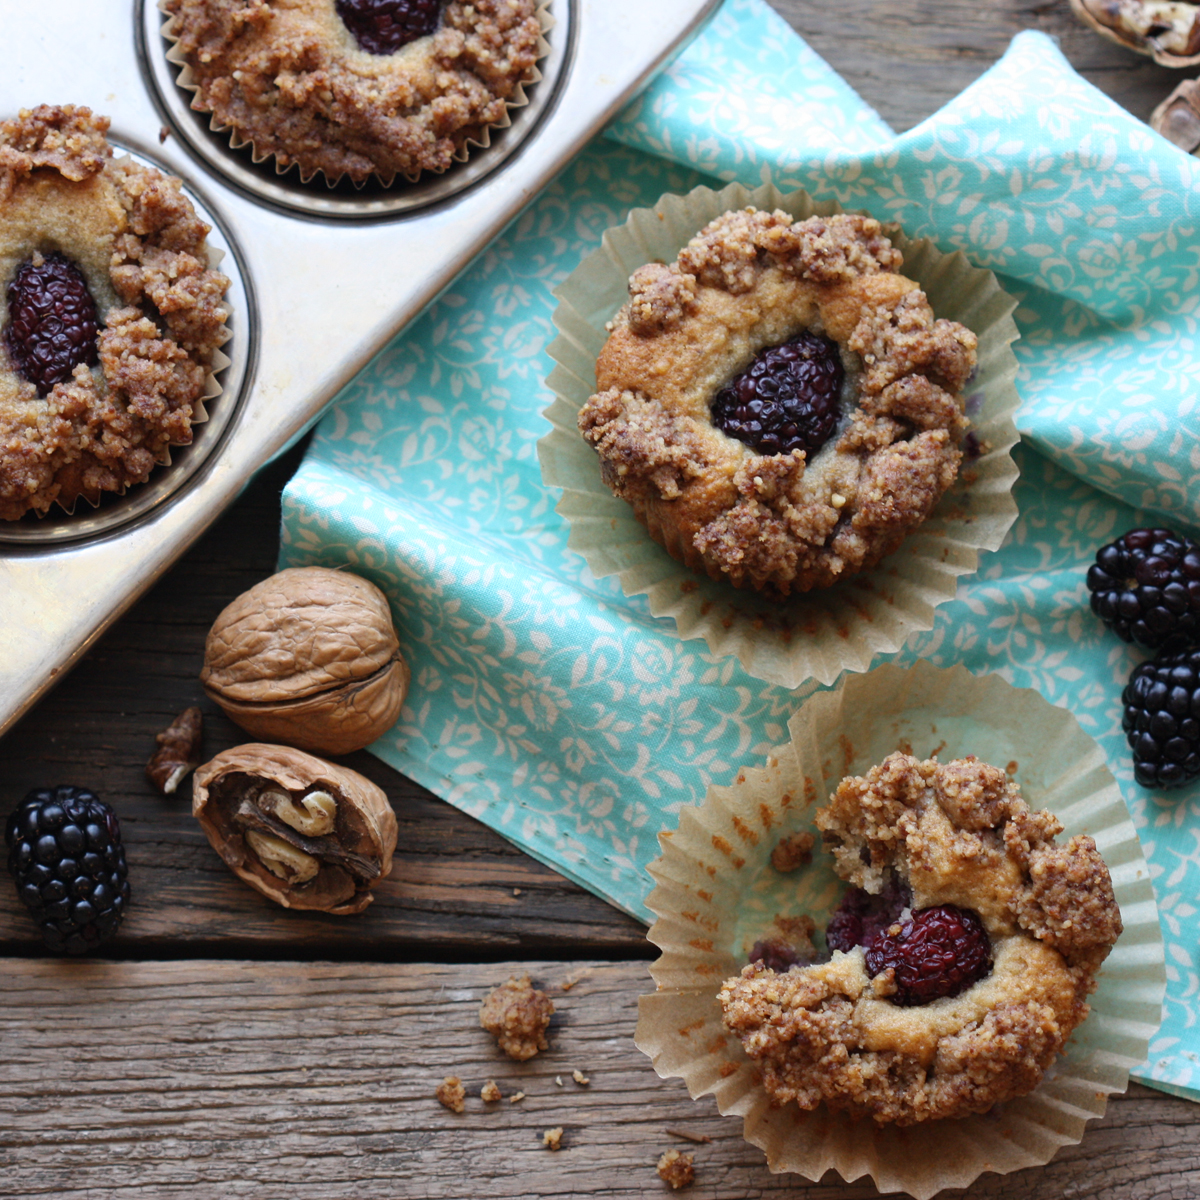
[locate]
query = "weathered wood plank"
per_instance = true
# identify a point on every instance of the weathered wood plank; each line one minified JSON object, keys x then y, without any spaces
{"x":453,"y":882}
{"x":316,"y":1080}
{"x":909,"y":57}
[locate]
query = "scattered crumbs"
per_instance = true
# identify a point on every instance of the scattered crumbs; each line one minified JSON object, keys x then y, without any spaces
{"x":793,"y":851}
{"x":676,"y":1169}
{"x":516,"y":891}
{"x":490,"y":1092}
{"x":552,"y":1138}
{"x":558,"y":1080}
{"x":699,"y":1138}
{"x":516,"y":1097}
{"x":572,"y":980}
{"x":516,"y":1014}
{"x":452,"y":1094}
{"x":163,"y":134}
{"x":1011,"y":769}
{"x":580,"y":1077}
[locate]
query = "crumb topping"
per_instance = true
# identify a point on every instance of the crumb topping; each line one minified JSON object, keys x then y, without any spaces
{"x":750,"y":281}
{"x":140,"y":246}
{"x":676,"y":1169}
{"x":960,"y":834}
{"x":793,"y":851}
{"x":517,"y":1015}
{"x":451,"y":1094}
{"x":291,"y":80}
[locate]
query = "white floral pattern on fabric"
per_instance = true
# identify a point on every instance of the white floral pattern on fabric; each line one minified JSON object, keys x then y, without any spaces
{"x":560,"y":712}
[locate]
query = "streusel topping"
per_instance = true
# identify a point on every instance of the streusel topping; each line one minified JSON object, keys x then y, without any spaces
{"x":959,"y":835}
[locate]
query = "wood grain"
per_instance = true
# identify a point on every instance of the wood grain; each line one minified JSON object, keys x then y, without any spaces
{"x":909,"y":57}
{"x":311,"y":1080}
{"x":454,"y":884}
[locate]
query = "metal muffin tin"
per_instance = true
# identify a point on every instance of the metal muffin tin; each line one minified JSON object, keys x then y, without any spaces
{"x":322,"y":277}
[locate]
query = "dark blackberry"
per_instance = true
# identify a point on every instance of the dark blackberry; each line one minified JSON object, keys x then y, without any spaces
{"x":937,"y":952}
{"x":51,"y":325}
{"x":1146,"y":587}
{"x":383,"y":26}
{"x":860,"y":918}
{"x":65,"y":853}
{"x":1162,"y":719}
{"x":787,"y":399}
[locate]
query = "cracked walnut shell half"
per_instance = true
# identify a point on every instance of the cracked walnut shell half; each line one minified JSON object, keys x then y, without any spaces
{"x":303,"y":831}
{"x":1167,"y":30}
{"x":309,"y":657}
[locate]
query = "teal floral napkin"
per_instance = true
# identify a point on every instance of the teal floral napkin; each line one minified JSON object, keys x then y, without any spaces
{"x":559,"y":711}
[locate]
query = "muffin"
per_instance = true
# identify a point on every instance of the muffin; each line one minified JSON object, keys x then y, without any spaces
{"x":961,"y":958}
{"x":356,"y":88}
{"x":779,"y":405}
{"x":110,"y":315}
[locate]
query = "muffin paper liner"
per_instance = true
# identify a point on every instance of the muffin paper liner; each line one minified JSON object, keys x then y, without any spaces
{"x":819,"y":634}
{"x":716,"y":894}
{"x":187,"y":80}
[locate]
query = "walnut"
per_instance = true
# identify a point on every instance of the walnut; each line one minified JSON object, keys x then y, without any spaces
{"x":306,"y":833}
{"x":1177,"y":118}
{"x":1167,"y":30}
{"x":178,"y":751}
{"x":308,"y":657}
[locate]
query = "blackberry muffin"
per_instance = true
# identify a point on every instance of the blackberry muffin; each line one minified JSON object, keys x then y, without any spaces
{"x":960,"y":960}
{"x":109,"y":313}
{"x":356,"y":88}
{"x":779,"y":405}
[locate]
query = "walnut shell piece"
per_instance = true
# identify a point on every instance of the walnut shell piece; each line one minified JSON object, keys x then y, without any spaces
{"x":307,"y":833}
{"x":1167,"y":30}
{"x":309,"y":657}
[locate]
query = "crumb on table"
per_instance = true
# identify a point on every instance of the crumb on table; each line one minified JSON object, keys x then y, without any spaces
{"x":676,"y":1169}
{"x":452,"y":1094}
{"x":580,"y":1077}
{"x":552,"y":1138}
{"x":490,"y":1092}
{"x":517,"y":1015}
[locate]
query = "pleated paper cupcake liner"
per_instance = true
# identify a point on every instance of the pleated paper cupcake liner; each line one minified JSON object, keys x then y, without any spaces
{"x":716,"y":894}
{"x":480,"y":140}
{"x":819,"y":634}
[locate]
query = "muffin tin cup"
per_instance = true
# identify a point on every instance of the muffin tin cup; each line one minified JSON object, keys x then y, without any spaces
{"x":88,"y":516}
{"x":716,"y":894}
{"x":481,"y":141}
{"x":819,"y":634}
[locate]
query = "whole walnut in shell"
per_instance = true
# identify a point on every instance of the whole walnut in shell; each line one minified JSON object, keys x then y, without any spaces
{"x":308,"y":657}
{"x":307,"y":833}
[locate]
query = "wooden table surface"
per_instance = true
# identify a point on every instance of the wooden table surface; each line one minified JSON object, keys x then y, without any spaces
{"x":225,"y":1047}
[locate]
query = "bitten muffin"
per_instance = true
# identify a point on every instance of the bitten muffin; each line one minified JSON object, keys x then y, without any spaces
{"x":354,"y":88}
{"x":779,"y":405}
{"x":109,"y":312}
{"x":960,"y":960}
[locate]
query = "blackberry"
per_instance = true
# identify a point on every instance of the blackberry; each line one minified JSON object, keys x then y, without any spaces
{"x":1162,"y":719}
{"x":1146,"y":587}
{"x":51,"y":325}
{"x":860,"y":918}
{"x":787,"y":399}
{"x":937,"y":952}
{"x":65,"y":853}
{"x":384,"y":26}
